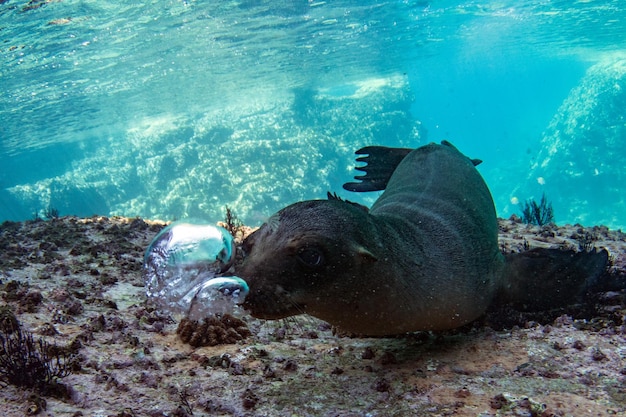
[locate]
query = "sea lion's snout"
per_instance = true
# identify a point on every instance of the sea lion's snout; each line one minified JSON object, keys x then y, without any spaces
{"x":267,"y":299}
{"x":271,"y":305}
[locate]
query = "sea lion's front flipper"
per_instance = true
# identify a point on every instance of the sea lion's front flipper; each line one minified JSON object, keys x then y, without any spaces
{"x":542,"y":279}
{"x":381,"y":162}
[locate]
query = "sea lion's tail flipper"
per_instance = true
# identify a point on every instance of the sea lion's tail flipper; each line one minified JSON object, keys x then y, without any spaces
{"x":543,"y":279}
{"x":380,"y":161}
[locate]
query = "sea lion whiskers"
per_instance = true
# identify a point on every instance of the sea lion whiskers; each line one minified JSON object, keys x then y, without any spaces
{"x":275,"y":304}
{"x":300,"y":322}
{"x":290,"y":325}
{"x":286,"y":297}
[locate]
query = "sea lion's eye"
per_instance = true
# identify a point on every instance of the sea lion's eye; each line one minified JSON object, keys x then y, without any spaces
{"x":310,"y":256}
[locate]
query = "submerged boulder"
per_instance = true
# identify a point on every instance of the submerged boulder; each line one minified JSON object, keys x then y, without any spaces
{"x":255,"y":156}
{"x":580,"y":164}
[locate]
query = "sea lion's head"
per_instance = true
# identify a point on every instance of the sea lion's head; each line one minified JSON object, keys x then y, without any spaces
{"x":306,"y":259}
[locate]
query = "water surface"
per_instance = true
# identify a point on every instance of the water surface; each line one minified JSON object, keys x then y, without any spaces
{"x":173,"y":109}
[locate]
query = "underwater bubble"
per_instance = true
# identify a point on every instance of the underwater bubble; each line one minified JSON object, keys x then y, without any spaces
{"x":181,"y":265}
{"x":216,"y":296}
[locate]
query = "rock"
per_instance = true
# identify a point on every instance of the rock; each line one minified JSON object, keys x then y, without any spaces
{"x":581,"y":156}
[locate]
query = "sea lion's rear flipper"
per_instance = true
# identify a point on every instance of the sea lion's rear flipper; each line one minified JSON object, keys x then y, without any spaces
{"x":542,"y":279}
{"x":380,"y":161}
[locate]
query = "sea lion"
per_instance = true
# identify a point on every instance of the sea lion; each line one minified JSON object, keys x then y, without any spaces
{"x":424,"y":257}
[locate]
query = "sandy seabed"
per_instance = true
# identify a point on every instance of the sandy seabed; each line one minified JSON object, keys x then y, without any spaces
{"x":77,"y":283}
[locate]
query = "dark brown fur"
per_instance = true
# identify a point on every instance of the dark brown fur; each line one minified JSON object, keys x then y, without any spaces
{"x":425,"y":256}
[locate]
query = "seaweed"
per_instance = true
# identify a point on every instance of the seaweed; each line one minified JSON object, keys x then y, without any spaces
{"x":8,"y":321}
{"x":50,"y":213}
{"x":232,"y":223}
{"x":538,"y":214}
{"x":184,"y":408}
{"x":26,"y":362}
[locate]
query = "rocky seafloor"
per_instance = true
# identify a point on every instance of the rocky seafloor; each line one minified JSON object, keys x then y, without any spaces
{"x":76,"y":283}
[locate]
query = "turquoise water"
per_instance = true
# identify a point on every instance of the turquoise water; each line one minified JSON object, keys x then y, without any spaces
{"x":175,"y":109}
